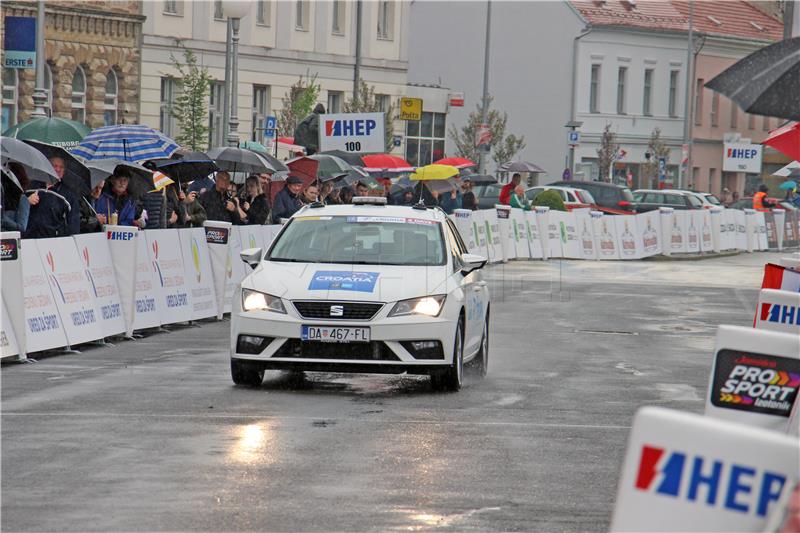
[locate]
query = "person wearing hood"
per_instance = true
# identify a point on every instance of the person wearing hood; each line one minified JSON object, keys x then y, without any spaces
{"x":306,"y":133}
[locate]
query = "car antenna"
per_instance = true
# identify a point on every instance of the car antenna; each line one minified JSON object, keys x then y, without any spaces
{"x":420,"y":205}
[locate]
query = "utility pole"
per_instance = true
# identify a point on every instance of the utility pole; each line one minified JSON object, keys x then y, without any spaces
{"x":226,"y":97}
{"x":357,"y":70}
{"x":683,"y":176}
{"x":39,"y":92}
{"x":485,"y":104}
{"x":791,"y":19}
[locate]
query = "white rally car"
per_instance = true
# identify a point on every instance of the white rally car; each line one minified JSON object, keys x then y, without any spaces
{"x":366,"y":288}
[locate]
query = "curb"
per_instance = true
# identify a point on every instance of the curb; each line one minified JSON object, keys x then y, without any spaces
{"x":692,"y":257}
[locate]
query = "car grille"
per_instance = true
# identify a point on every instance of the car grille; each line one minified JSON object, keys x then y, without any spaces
{"x":368,"y":351}
{"x":350,"y":310}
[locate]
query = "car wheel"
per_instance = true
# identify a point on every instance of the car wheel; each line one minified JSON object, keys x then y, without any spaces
{"x":482,"y":360}
{"x":246,"y":374}
{"x":452,"y":378}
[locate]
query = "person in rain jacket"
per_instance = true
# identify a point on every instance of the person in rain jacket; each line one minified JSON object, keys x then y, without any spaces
{"x":518,"y":199}
{"x":508,"y":188}
{"x":15,"y":206}
{"x":118,"y":200}
{"x":91,"y":220}
{"x":306,"y":133}
{"x":287,"y":201}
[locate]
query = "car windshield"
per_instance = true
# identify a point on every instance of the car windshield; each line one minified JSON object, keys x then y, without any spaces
{"x":713,"y":199}
{"x":360,"y":240}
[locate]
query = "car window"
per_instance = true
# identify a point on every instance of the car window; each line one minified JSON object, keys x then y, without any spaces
{"x":639,"y":196}
{"x":360,"y":239}
{"x":532,"y":193}
{"x":586,"y":197}
{"x":607,"y":195}
{"x":654,"y":198}
{"x":712,"y":199}
{"x":570,"y":196}
{"x":674,"y":199}
{"x":627,"y":195}
{"x":458,"y":241}
{"x":694,"y":201}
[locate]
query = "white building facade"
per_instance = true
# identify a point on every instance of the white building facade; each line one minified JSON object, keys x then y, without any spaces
{"x":280,"y":41}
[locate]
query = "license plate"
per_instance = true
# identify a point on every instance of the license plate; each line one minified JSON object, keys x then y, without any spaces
{"x":334,"y":334}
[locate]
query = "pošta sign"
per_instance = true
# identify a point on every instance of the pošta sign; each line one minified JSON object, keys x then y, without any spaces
{"x":352,"y":132}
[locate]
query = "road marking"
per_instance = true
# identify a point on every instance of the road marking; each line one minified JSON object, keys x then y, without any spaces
{"x":313,"y":418}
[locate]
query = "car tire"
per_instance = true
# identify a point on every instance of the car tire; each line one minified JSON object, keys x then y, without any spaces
{"x":482,"y":359}
{"x":451,"y":379}
{"x":247,"y":374}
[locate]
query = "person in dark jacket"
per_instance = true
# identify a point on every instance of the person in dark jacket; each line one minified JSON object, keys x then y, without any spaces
{"x":468,"y":200}
{"x":306,"y":134}
{"x":15,"y":207}
{"x":218,"y":202}
{"x":91,"y":220}
{"x":74,"y":215}
{"x":287,"y":201}
{"x":254,"y":203}
{"x":118,"y":201}
{"x":201,"y":185}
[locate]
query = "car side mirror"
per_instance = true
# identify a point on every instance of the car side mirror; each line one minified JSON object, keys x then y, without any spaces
{"x":472,"y":262}
{"x":251,"y":256}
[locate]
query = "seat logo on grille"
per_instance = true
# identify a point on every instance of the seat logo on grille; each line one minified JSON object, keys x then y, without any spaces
{"x":337,"y":310}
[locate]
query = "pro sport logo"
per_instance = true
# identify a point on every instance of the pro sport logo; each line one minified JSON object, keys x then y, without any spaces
{"x":780,"y":314}
{"x":706,"y":481}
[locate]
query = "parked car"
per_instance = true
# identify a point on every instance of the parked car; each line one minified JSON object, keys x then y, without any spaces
{"x":652,"y":199}
{"x":487,"y":195}
{"x":610,"y":198}
{"x":747,"y":203}
{"x":573,"y":198}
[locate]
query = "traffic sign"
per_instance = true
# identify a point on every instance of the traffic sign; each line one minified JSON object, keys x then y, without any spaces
{"x":573,"y":138}
{"x":662,"y":169}
{"x":410,"y":108}
{"x":270,"y":125}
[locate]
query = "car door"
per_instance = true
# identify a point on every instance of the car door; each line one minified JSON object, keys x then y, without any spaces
{"x":475,"y":292}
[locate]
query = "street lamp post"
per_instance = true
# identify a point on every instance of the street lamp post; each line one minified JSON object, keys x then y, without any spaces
{"x":39,"y":92}
{"x":234,"y":10}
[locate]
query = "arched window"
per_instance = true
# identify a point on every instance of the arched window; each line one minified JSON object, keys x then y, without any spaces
{"x":10,"y":95}
{"x":111,"y":100}
{"x":79,"y":95}
{"x":48,"y":85}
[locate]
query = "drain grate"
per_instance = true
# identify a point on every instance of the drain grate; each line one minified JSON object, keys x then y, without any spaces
{"x":605,"y":332}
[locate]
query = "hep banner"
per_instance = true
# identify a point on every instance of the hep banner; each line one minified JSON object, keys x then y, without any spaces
{"x":352,"y":132}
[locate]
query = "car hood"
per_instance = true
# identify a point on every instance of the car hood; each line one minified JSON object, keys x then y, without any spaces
{"x":366,"y":283}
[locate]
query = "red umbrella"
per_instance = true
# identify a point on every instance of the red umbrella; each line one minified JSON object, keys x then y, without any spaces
{"x":458,"y":162}
{"x":786,"y":139}
{"x":304,"y":168}
{"x":386,"y":162}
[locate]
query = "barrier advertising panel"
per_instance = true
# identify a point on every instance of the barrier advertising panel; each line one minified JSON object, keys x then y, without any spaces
{"x":268,"y":233}
{"x":8,"y":340}
{"x":520,"y":234}
{"x":730,"y":233}
{"x":11,"y":282}
{"x":462,"y":218}
{"x":568,"y":231}
{"x":686,"y":472}
{"x":679,"y":233}
{"x":218,"y":239}
{"x":543,"y":221}
{"x":779,"y":311}
{"x":755,"y":376}
{"x":717,"y":228}
{"x":583,"y":224}
{"x":251,"y":237}
{"x":693,"y":231}
{"x":780,"y":277}
{"x":740,"y":229}
{"x":479,"y":231}
{"x":555,"y":243}
{"x":99,"y":271}
{"x":532,"y":232}
{"x":649,"y":228}
{"x":506,"y":232}
{"x":147,"y":313}
{"x":629,"y":243}
{"x":72,"y":293}
{"x":170,"y":275}
{"x":122,"y":245}
{"x":771,"y":231}
{"x":493,"y":246}
{"x":197,"y":267}
{"x":791,"y":232}
{"x":43,"y":327}
{"x":606,"y":231}
{"x":236,"y":269}
{"x":761,"y":230}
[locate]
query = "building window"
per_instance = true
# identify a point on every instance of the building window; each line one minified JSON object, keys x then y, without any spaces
{"x":766,"y":126}
{"x":10,"y":95}
{"x":79,"y":95}
{"x":673,"y":93}
{"x":173,"y":7}
{"x":621,"y":80}
{"x":751,"y":122}
{"x":215,"y":126}
{"x":166,"y":121}
{"x":715,"y":109}
{"x":425,"y":139}
{"x":111,"y":101}
{"x":337,"y":26}
{"x":698,"y":102}
{"x":260,"y":106}
{"x":218,"y":14}
{"x":384,"y":102}
{"x":734,"y":116}
{"x":648,"y":92}
{"x":594,"y":86}
{"x":262,"y":12}
{"x":301,"y":15}
{"x":335,"y":101}
{"x":385,"y":19}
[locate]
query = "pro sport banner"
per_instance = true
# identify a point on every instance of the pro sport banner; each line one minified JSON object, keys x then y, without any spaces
{"x":666,"y":223}
{"x":11,"y":282}
{"x":123,"y":247}
{"x":170,"y":275}
{"x":71,"y":290}
{"x":218,"y":238}
{"x":649,"y":226}
{"x":568,"y":230}
{"x":197,"y":272}
{"x":778,"y":311}
{"x":149,"y":304}
{"x":532,"y":233}
{"x":605,"y":230}
{"x":779,"y":216}
{"x":729,"y":233}
{"x":629,"y":242}
{"x":506,"y":232}
{"x":781,"y":278}
{"x":755,"y":377}
{"x":99,"y":271}
{"x":43,"y":327}
{"x":583,"y":224}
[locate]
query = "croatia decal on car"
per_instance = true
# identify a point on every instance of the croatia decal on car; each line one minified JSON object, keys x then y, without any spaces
{"x":333,"y":280}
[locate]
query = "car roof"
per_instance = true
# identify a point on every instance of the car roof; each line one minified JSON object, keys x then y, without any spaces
{"x":404,"y":211}
{"x":580,"y":184}
{"x":673,"y":191}
{"x":556,"y":187}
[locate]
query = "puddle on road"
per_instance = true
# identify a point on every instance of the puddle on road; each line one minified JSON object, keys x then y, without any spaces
{"x":628,"y":369}
{"x":677,"y":392}
{"x":428,"y":520}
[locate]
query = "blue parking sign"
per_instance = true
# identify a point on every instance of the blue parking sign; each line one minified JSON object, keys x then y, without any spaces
{"x":272,"y":123}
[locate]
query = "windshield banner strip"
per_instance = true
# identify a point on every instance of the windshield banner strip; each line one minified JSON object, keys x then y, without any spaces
{"x":391,"y":220}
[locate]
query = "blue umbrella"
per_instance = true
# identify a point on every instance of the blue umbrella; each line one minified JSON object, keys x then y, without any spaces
{"x":788,"y":185}
{"x":129,"y":142}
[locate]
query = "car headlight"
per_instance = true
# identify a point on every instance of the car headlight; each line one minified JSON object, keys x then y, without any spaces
{"x":259,"y":301}
{"x":424,"y":305}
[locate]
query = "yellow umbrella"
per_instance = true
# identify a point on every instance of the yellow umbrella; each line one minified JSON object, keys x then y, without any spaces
{"x":434,"y":172}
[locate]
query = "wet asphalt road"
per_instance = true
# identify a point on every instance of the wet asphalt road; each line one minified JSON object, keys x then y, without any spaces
{"x":152,"y":435}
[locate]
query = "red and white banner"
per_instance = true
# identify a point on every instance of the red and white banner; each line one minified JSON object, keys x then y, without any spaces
{"x":780,"y":277}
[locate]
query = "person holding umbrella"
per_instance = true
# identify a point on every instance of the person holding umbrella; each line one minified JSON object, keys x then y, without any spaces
{"x":468,"y":200}
{"x":15,"y":206}
{"x":73,"y":217}
{"x":218,"y":202}
{"x":50,"y":213}
{"x":287,"y":201}
{"x":117,"y":204}
{"x":91,"y":220}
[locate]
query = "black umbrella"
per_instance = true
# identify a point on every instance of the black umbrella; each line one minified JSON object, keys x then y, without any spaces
{"x":239,"y":160}
{"x":140,"y":183}
{"x":519,"y":166}
{"x":767,"y":82}
{"x":349,"y":157}
{"x":186,"y":166}
{"x":272,"y":161}
{"x":480,"y":179}
{"x":12,"y":178}
{"x":76,"y":175}
{"x":37,"y":166}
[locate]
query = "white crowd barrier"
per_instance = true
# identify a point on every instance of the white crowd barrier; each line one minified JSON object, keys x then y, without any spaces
{"x":69,"y":291}
{"x":505,"y":233}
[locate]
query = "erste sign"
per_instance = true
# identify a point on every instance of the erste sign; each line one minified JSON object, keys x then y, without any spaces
{"x":738,"y":157}
{"x":352,"y":132}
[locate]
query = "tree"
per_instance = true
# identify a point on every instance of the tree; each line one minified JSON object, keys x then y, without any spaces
{"x":657,"y":149}
{"x":504,"y":147}
{"x":366,"y":101}
{"x":606,"y":154}
{"x":297,"y":103}
{"x":191,"y":108}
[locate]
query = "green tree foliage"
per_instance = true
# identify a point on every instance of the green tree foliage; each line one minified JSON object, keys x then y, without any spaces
{"x":550,"y":199}
{"x":297,"y":103}
{"x":191,"y":103}
{"x":606,"y":153}
{"x":503,"y":147}
{"x":657,"y":149}
{"x":366,"y":101}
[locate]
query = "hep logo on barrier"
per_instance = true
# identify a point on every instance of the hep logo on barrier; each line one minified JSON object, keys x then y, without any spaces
{"x":120,"y":235}
{"x":349,"y":128}
{"x":780,"y":314}
{"x":713,"y":483}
